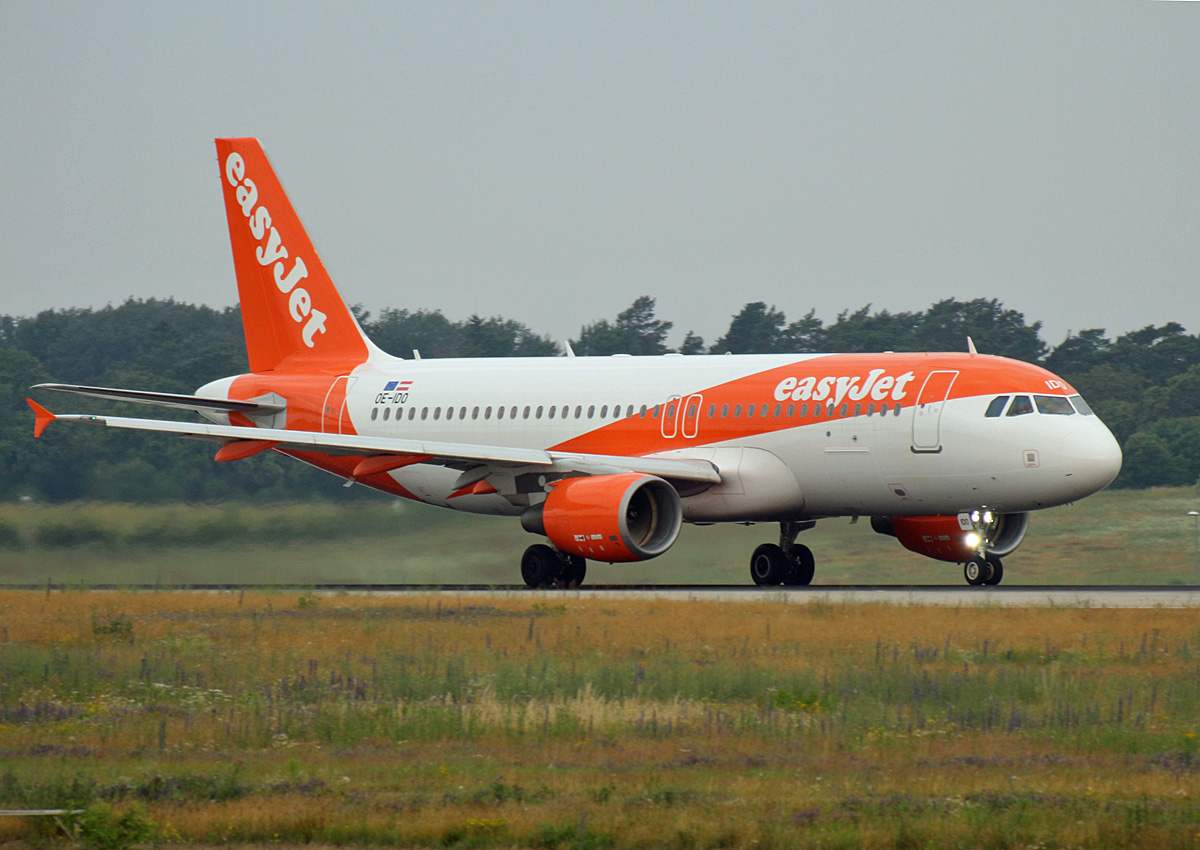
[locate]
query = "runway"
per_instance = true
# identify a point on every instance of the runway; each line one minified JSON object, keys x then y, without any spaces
{"x":1012,"y":596}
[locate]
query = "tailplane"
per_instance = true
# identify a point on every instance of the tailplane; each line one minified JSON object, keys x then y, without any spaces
{"x":292,"y":313}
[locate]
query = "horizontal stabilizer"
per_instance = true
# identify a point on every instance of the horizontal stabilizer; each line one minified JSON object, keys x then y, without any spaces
{"x":183,"y":402}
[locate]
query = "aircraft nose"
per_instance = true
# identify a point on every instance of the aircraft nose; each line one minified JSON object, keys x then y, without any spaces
{"x":1092,"y":457}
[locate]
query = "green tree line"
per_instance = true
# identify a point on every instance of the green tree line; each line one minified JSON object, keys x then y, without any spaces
{"x":1144,"y":384}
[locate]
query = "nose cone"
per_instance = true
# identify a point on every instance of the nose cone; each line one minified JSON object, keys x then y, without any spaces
{"x":1091,"y":457}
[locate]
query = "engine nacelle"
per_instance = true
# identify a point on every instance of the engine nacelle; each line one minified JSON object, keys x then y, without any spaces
{"x":945,"y":538}
{"x":613,"y":518}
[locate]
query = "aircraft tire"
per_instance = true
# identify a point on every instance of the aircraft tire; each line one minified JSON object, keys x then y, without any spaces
{"x":997,"y":572}
{"x":574,"y":570}
{"x":540,"y":565}
{"x":804,"y":566}
{"x":978,"y":571}
{"x":770,"y":565}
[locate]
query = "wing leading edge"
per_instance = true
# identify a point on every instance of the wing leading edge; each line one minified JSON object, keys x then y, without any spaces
{"x":404,"y":451}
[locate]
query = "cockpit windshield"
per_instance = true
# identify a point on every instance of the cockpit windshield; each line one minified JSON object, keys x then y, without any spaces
{"x":1054,"y":405}
{"x":1020,"y":406}
{"x":1082,"y":406}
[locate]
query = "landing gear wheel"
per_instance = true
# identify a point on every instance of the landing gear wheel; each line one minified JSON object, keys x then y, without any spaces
{"x":540,"y":565}
{"x":804,"y":565}
{"x":574,"y":568}
{"x":997,"y":572}
{"x":979,"y":571}
{"x":770,"y":565}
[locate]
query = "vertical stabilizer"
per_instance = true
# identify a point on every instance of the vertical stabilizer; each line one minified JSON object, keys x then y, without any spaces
{"x":292,"y":313}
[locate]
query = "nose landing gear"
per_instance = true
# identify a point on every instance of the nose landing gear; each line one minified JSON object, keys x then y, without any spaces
{"x":982,"y":571}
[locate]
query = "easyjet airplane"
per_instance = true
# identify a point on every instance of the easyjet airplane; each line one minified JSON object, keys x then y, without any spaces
{"x":606,"y":457}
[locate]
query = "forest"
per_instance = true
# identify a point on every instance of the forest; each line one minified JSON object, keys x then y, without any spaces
{"x":1144,"y":384}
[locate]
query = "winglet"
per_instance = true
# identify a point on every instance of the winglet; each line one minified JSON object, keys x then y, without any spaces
{"x":971,"y":347}
{"x":42,"y":417}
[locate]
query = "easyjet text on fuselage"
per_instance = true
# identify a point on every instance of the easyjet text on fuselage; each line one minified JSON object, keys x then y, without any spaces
{"x":877,"y":385}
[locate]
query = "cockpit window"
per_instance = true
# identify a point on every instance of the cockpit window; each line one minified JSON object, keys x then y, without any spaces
{"x":1020,"y":406}
{"x":1055,"y":405}
{"x":1081,"y":405}
{"x":997,"y":406}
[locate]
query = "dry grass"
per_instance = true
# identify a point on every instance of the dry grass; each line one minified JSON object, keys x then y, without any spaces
{"x":503,"y":721}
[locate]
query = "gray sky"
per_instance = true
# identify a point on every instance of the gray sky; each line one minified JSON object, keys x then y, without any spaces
{"x":549,"y":162}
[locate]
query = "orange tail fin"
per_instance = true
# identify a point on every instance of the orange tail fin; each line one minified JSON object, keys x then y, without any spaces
{"x":292,"y":313}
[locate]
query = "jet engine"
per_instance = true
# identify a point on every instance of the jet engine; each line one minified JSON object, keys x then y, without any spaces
{"x":624,"y":517}
{"x":956,"y":538}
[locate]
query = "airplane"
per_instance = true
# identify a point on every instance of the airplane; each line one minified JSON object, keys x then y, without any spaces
{"x":607,"y":457}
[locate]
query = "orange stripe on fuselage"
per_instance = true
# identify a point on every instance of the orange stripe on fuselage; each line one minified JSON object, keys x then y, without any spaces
{"x":840,"y":380}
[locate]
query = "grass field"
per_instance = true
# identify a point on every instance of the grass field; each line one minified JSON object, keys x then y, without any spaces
{"x":1115,"y":537}
{"x":466,"y":721}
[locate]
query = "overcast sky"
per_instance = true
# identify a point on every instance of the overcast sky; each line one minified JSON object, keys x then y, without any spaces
{"x":550,"y":162}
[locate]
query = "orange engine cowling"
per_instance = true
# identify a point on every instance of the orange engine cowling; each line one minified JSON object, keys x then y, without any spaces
{"x":623,"y":517}
{"x":945,"y":537}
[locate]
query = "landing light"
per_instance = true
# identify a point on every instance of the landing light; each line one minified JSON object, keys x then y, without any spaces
{"x":972,"y":540}
{"x":974,"y":516}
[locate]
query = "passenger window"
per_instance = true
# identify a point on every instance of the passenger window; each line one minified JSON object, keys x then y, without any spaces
{"x":897,"y":411}
{"x":512,"y":414}
{"x":642,"y":412}
{"x":591,"y":410}
{"x":424,"y":413}
{"x":763,"y":412}
{"x":749,"y":410}
{"x":858,"y":409}
{"x":883,"y":409}
{"x":603,"y":411}
{"x":691,"y":411}
{"x":1081,"y":405}
{"x":499,"y":412}
{"x":449,"y":413}
{"x":1020,"y":406}
{"x":844,"y":407}
{"x":870,"y":410}
{"x":778,"y":410}
{"x":437,"y":412}
{"x":712,"y":411}
{"x":737,"y":411}
{"x":412,"y":414}
{"x":996,"y":407}
{"x":462,"y":413}
{"x":724,"y":411}
{"x":791,"y":410}
{"x":538,"y":415}
{"x":804,"y":410}
{"x":1054,"y":405}
{"x":525,"y":415}
{"x":550,"y":412}
{"x":386,"y":412}
{"x":629,"y":412}
{"x":655,"y":411}
{"x":475,"y":412}
{"x":578,"y":411}
{"x":487,"y":413}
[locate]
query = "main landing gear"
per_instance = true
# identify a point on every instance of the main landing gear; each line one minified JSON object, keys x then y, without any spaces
{"x":545,"y":566}
{"x":983,"y":571}
{"x":786,"y":563}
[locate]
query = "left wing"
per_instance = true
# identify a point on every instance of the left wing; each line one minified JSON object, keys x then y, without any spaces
{"x":383,"y":453}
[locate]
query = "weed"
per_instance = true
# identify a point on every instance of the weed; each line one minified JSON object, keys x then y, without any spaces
{"x":99,"y":827}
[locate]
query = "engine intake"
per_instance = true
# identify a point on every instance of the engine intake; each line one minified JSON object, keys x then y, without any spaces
{"x":613,"y":518}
